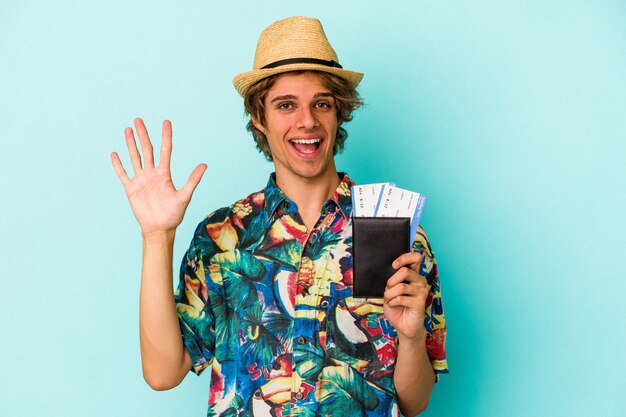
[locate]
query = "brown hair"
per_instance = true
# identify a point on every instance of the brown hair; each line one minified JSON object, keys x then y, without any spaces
{"x":347,"y":100}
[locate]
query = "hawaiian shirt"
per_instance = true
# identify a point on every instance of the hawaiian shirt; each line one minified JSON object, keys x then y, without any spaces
{"x":268,"y":306}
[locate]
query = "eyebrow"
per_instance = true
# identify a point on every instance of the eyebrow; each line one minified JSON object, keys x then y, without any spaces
{"x":292,"y":97}
{"x":285,"y":97}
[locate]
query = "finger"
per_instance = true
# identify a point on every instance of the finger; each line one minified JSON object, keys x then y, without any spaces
{"x":407,"y":275}
{"x":166,"y":145}
{"x":411,"y":302}
{"x":135,"y":158}
{"x":408,"y":259}
{"x":406,"y":288}
{"x":194,"y":180}
{"x":119,"y":168}
{"x":146,"y":145}
{"x":397,"y":290}
{"x":406,"y":295}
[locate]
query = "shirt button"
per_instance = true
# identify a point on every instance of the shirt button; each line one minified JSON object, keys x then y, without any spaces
{"x":301,"y":340}
{"x":324,"y":304}
{"x":299,"y":396}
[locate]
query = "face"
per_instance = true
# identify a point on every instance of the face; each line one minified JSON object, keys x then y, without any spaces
{"x":300,"y":126}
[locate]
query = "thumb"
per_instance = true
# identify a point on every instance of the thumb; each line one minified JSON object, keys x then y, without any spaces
{"x":194,"y":180}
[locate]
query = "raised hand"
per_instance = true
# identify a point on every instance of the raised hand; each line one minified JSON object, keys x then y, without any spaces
{"x":156,"y":204}
{"x":405,"y":297}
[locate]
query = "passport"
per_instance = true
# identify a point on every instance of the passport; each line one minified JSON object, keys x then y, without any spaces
{"x":384,"y":221}
{"x":376,"y":243}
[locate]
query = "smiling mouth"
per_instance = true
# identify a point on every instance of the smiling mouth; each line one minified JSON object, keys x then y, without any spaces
{"x":306,"y":146}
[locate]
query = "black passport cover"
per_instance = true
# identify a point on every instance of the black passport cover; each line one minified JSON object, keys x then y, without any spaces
{"x":376,"y":243}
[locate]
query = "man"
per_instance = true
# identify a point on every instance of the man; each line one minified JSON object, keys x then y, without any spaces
{"x":265,"y":294}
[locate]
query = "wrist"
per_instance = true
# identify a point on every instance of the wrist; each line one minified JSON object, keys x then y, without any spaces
{"x":419,"y":339}
{"x":158,"y":236}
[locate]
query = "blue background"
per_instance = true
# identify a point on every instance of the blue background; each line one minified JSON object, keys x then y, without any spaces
{"x":509,"y":115}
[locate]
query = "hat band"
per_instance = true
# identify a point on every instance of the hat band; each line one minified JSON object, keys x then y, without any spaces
{"x":290,"y":61}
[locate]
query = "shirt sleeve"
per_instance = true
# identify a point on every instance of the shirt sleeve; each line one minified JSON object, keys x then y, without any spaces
{"x":196,"y":318}
{"x":435,"y":321}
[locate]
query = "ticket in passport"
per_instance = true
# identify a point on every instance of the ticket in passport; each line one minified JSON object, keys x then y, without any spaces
{"x":397,"y":202}
{"x":365,"y":198}
{"x":386,"y":200}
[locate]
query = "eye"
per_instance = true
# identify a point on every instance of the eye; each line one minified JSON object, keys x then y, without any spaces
{"x":286,"y":106}
{"x":323,"y":105}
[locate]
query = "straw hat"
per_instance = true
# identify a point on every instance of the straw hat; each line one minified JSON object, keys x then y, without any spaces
{"x":293,"y":44}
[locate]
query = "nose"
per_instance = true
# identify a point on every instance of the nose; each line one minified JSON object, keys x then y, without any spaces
{"x":306,"y":118}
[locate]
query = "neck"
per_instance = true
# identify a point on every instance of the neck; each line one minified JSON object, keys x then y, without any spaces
{"x":309,"y":194}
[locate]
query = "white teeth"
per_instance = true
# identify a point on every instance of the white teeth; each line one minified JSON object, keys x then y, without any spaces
{"x":306,"y":141}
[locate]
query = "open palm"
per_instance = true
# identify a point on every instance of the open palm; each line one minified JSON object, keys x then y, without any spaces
{"x":155,"y":202}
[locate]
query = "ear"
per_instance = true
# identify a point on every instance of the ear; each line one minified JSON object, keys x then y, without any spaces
{"x":258,"y":125}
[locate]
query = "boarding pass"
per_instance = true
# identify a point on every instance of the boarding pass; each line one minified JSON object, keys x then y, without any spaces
{"x":387,"y":200}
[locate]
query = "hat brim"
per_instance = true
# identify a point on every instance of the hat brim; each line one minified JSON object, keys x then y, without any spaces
{"x":245,"y":80}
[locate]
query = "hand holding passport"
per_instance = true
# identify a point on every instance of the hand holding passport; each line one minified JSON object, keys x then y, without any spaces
{"x":385,"y":218}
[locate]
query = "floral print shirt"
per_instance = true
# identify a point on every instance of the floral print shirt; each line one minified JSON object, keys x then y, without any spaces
{"x":268,"y":307}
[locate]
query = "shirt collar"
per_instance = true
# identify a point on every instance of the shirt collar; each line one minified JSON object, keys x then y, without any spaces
{"x":273,"y":195}
{"x":341,"y":197}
